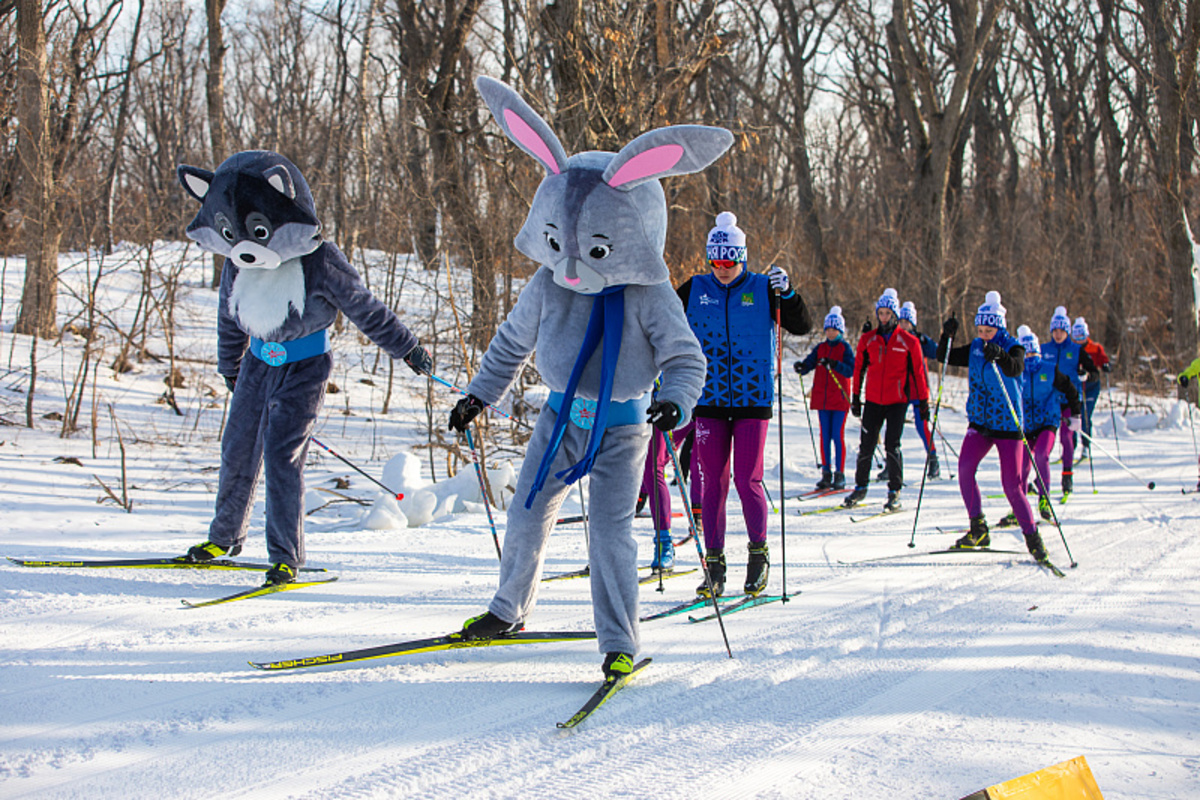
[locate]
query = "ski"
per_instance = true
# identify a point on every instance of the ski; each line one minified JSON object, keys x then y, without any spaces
{"x":948,"y":550}
{"x":827,"y":509}
{"x":1045,"y":564}
{"x":816,"y":494}
{"x":682,"y":608}
{"x":453,"y":641}
{"x":577,"y":518}
{"x":147,"y":563}
{"x":566,"y":576}
{"x":653,"y":576}
{"x":886,"y":512}
{"x":607,"y":689}
{"x":748,"y":601}
{"x":260,"y":591}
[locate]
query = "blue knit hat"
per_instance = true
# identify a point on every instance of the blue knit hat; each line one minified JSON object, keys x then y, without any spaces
{"x":834,"y":319}
{"x":726,"y":242}
{"x":1060,"y":320}
{"x":991,"y":312}
{"x":908,"y":311}
{"x":1029,"y":340}
{"x":1079,"y":331}
{"x":889,"y":299}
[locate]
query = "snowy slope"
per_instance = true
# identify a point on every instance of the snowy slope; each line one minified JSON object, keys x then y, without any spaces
{"x":927,"y":677}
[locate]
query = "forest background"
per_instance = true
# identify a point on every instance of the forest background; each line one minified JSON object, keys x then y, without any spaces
{"x":1043,"y":148}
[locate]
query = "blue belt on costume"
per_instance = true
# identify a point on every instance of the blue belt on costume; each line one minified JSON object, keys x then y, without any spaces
{"x":276,"y":354}
{"x":583,"y":412}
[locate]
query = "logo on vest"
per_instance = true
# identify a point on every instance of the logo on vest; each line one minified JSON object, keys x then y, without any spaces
{"x":747,"y":299}
{"x":707,"y":300}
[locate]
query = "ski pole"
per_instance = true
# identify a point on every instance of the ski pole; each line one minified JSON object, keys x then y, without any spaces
{"x":1113,"y":412}
{"x":681,"y":482}
{"x":464,"y":393}
{"x":808,"y":417}
{"x":937,"y":408}
{"x":1119,"y":463}
{"x":347,"y":462}
{"x":1192,"y":425}
{"x":1012,"y":409}
{"x":483,"y":490}
{"x":779,"y":403}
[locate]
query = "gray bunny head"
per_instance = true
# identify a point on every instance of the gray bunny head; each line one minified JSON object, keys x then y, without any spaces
{"x":600,"y":219}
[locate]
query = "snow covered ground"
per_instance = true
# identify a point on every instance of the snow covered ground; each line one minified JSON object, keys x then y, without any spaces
{"x":927,"y":677}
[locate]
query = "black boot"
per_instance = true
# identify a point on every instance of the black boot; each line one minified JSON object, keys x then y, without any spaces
{"x":855,"y":497}
{"x":617,"y":665}
{"x":826,"y":479}
{"x":756,"y":569}
{"x":935,"y":469}
{"x":839,"y":480}
{"x":893,"y":502}
{"x":1068,"y":483}
{"x":977,"y":536}
{"x":1034,"y":542}
{"x":487,"y":626}
{"x":641,"y":503}
{"x":715,"y":561}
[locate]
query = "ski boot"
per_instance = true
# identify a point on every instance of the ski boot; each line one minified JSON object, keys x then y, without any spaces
{"x":826,"y":481}
{"x":882,"y":475}
{"x":757,"y":568}
{"x":855,"y":497}
{"x":664,"y":552}
{"x":617,"y":666}
{"x":1034,"y":542}
{"x":839,"y":480}
{"x":893,"y":502}
{"x":1044,"y":507}
{"x":715,"y":561}
{"x":208,"y":550}
{"x":977,"y":536}
{"x":696,"y":517}
{"x":935,"y":468}
{"x":641,"y":503}
{"x":1068,"y":485}
{"x":1009,"y":521}
{"x":280,"y":574}
{"x":487,"y":626}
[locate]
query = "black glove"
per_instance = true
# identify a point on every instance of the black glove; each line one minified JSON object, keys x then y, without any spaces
{"x":925,"y":410}
{"x":856,"y":407}
{"x":799,"y":367}
{"x":231,"y":381}
{"x":664,"y":415}
{"x":825,"y":362}
{"x":464,"y":411}
{"x":1183,"y":381}
{"x":992,"y":351}
{"x":866,"y":326}
{"x":1106,"y":367}
{"x":950,"y":328}
{"x":420,"y":362}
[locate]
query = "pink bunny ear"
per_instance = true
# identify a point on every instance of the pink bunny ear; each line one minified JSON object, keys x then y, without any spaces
{"x":651,"y":163}
{"x":525,"y":136}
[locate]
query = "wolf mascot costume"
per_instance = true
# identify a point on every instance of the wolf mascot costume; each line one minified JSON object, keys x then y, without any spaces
{"x":604,"y":321}
{"x":281,"y":288}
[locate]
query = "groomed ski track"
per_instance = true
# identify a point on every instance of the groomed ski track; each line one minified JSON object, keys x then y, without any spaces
{"x":828,"y":693}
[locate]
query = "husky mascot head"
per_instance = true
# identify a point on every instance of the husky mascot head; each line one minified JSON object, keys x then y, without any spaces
{"x":256,"y":210}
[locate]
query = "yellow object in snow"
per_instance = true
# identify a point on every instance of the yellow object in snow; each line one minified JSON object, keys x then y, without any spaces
{"x":1070,"y":780}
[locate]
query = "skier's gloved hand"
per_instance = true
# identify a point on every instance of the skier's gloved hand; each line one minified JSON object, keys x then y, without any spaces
{"x":799,"y":367}
{"x":856,"y":407}
{"x":664,"y":415}
{"x":1106,"y":366}
{"x":778,"y":279}
{"x":1075,"y":423}
{"x":924,"y":407}
{"x":866,"y":326}
{"x":950,"y":328}
{"x":231,"y":381}
{"x":419,"y":361}
{"x":1183,"y":381}
{"x":464,"y":411}
{"x":825,"y":362}
{"x":992,"y":351}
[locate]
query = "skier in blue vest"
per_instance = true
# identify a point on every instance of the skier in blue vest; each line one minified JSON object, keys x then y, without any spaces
{"x":908,"y":322}
{"x":1071,"y":359}
{"x":732,"y":314}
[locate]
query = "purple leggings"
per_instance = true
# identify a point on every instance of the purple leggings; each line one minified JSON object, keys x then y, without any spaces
{"x":1043,"y":443}
{"x":715,"y":439}
{"x":654,"y":482}
{"x":975,"y":446}
{"x":1067,"y":437}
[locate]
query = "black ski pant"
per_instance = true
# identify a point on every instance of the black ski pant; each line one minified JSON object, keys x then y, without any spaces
{"x":874,"y":417}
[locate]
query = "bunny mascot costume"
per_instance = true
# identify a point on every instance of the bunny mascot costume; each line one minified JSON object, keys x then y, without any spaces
{"x":605,"y":322}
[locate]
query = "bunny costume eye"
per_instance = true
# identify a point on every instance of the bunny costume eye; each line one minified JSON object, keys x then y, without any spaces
{"x":553,"y":242}
{"x":600,"y":251}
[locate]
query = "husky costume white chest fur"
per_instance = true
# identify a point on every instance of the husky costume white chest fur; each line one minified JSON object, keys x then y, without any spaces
{"x":281,"y":289}
{"x":604,"y":322}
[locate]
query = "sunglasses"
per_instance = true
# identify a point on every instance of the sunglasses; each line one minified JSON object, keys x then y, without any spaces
{"x":723,"y":264}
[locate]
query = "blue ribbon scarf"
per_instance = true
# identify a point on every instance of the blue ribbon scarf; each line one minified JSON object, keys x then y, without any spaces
{"x":605,"y":323}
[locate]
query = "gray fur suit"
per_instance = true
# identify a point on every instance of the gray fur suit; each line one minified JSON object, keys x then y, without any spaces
{"x":597,"y":225}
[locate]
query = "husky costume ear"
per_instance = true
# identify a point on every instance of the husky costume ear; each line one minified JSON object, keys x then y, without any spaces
{"x":598,"y":219}
{"x":195,"y":181}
